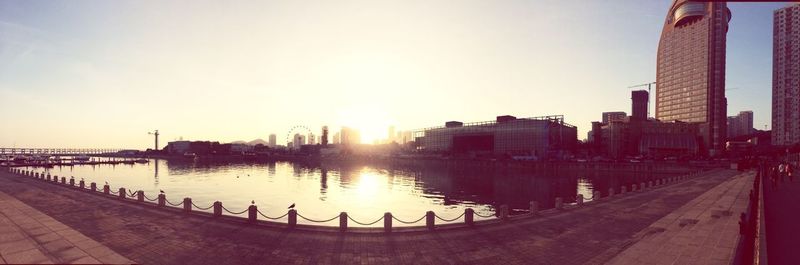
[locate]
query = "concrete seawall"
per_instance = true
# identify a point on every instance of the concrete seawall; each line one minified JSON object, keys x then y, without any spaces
{"x":593,"y":233}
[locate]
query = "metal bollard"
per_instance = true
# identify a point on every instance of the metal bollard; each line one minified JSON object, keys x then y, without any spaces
{"x":162,"y":200}
{"x":140,"y":196}
{"x":504,"y":212}
{"x":469,"y":216}
{"x":292,"y":218}
{"x":93,"y":186}
{"x":642,"y":186}
{"x":106,"y":189}
{"x":430,"y":220}
{"x":217,"y":208}
{"x":559,"y":203}
{"x":72,"y":181}
{"x":650,"y":184}
{"x":82,"y":184}
{"x":252,"y":213}
{"x":187,"y":204}
{"x":343,"y":222}
{"x":623,"y":189}
{"x":63,"y":180}
{"x":610,"y":192}
{"x":122,"y":193}
{"x":47,"y":177}
{"x":534,"y":207}
{"x":387,"y":222}
{"x":579,"y":199}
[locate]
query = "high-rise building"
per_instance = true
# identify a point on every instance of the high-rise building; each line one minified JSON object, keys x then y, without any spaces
{"x":273,"y":140}
{"x":350,"y":136}
{"x":614,"y":116}
{"x":639,"y":102}
{"x":391,"y":137}
{"x":786,"y":76}
{"x":337,"y":138}
{"x":324,"y":139}
{"x":312,"y":140}
{"x":298,"y":140}
{"x":741,"y":124}
{"x":690,"y":70}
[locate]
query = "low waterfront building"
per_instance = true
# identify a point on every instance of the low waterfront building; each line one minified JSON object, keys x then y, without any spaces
{"x":544,"y":136}
{"x":650,"y":138}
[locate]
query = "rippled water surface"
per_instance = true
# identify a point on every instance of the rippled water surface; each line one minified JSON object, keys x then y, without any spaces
{"x":365,"y":192}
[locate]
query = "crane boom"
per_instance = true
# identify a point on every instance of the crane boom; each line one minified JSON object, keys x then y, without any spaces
{"x":155,"y":133}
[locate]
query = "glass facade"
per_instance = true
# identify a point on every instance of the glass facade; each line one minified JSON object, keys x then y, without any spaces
{"x":690,"y":78}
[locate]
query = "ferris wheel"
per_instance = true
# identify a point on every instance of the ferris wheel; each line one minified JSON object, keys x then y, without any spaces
{"x":297,"y":129}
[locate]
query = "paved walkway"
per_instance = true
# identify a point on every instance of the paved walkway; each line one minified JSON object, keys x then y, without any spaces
{"x":704,"y":231}
{"x":591,"y":234}
{"x":782,"y":221}
{"x":28,"y":236}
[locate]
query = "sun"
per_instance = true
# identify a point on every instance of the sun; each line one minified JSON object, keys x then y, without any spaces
{"x":371,"y":122}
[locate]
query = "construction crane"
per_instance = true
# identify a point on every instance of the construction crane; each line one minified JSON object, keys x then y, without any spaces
{"x":155,"y":133}
{"x":648,"y":94}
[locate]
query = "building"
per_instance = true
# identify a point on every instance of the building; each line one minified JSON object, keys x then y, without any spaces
{"x":392,"y":135}
{"x":324,"y":138}
{"x":639,"y":103}
{"x":337,"y":138}
{"x":298,"y":140}
{"x":312,"y":140}
{"x":614,"y":116}
{"x":650,"y":138}
{"x":273,"y":140}
{"x":349,"y":136}
{"x":545,"y":136}
{"x":690,"y":70}
{"x":786,"y":76}
{"x":741,"y":124}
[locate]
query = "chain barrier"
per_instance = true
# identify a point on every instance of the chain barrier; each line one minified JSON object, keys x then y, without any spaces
{"x":449,"y":220}
{"x":131,"y":194}
{"x":173,"y":204}
{"x":317,"y":221}
{"x":201,"y":208}
{"x":234,"y":213}
{"x":408,"y":223}
{"x":364,"y":224}
{"x":272,"y":218}
{"x":112,"y":192}
{"x":147,"y":198}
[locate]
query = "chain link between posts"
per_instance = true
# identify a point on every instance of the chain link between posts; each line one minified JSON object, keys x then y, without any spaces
{"x":173,"y":204}
{"x":201,"y":208}
{"x":317,"y":221}
{"x":449,"y":220}
{"x":408,"y":223}
{"x":364,"y":224}
{"x":272,"y":218}
{"x":234,"y":213}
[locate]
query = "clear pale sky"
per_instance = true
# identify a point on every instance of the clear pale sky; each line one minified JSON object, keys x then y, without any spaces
{"x":104,"y":73}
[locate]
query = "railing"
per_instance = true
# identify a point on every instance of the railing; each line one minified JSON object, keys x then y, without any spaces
{"x":253,"y":213}
{"x":747,"y":248}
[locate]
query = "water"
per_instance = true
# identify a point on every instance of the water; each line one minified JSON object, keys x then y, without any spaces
{"x":365,"y":192}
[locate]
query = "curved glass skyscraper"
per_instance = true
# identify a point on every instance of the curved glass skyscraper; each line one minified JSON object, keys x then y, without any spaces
{"x":690,"y":75}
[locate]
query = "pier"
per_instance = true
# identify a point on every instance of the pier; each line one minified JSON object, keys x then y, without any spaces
{"x":596,"y":230}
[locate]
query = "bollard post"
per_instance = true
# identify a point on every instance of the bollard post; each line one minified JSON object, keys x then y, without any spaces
{"x":579,"y":199}
{"x":469,"y":216}
{"x":217,"y":208}
{"x":343,"y":222}
{"x":559,"y":203}
{"x":610,"y":192}
{"x":93,"y":186}
{"x":122,"y":194}
{"x":252,"y":213}
{"x":292,"y":218}
{"x":596,"y":195}
{"x":650,"y":184}
{"x":187,"y":204}
{"x":623,"y":189}
{"x":82,"y":184}
{"x":47,"y":177}
{"x":72,"y":181}
{"x":534,"y":207}
{"x":504,"y":212}
{"x":63,"y":180}
{"x":387,"y":222}
{"x":106,"y":189}
{"x":55,"y":179}
{"x":430,"y":220}
{"x":642,"y":186}
{"x":140,"y":196}
{"x":162,"y":200}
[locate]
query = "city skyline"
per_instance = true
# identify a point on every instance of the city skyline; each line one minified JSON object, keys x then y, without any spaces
{"x":58,"y":62}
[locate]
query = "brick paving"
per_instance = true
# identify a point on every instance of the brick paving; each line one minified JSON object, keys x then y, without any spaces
{"x":28,"y":236}
{"x":704,"y":231}
{"x":592,"y":234}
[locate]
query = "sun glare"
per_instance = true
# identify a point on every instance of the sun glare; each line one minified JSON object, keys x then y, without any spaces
{"x":371,"y":122}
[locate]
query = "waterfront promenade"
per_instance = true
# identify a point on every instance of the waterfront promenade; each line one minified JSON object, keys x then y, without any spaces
{"x":595,"y":233}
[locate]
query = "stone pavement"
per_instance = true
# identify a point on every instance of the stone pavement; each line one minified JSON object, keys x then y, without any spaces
{"x":594,"y":233}
{"x":782,"y":221}
{"x":704,"y":231}
{"x":28,"y":236}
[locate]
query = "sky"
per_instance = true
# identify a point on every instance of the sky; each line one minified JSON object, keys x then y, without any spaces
{"x":102,"y":74}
